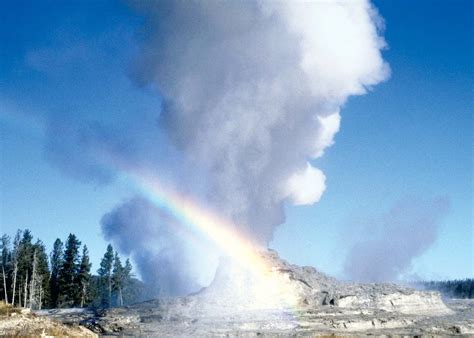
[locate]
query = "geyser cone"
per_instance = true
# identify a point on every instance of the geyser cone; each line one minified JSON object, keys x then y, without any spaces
{"x":281,"y":300}
{"x":283,"y":286}
{"x":246,"y":288}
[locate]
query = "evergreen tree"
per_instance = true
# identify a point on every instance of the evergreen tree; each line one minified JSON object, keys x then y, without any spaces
{"x":29,"y":278}
{"x":68,"y":287}
{"x":452,"y":288}
{"x":128,"y":294}
{"x":84,"y":276}
{"x":39,"y":294}
{"x":5,"y":260}
{"x":56,"y":264}
{"x":25,"y":266}
{"x":118,"y":279}
{"x":105,"y":274}
{"x":94,"y":292}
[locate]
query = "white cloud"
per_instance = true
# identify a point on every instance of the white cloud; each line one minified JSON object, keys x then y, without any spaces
{"x":253,"y":91}
{"x":307,"y":186}
{"x":340,"y":46}
{"x":329,"y":127}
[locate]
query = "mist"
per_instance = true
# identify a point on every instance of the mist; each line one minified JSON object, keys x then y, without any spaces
{"x":252,"y":92}
{"x":387,"y":245}
{"x":166,"y":261}
{"x":250,"y":95}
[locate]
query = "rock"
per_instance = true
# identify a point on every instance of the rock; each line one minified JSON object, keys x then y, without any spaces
{"x":314,"y":289}
{"x":282,"y":299}
{"x":25,"y":311}
{"x":30,"y":325}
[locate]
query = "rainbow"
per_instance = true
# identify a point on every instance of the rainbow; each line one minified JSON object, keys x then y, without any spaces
{"x":270,"y":289}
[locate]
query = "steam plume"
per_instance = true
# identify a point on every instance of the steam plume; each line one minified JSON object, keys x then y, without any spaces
{"x":156,"y":244}
{"x":392,"y":241}
{"x":253,"y":91}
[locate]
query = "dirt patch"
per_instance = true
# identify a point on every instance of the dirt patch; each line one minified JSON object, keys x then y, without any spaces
{"x":30,"y":325}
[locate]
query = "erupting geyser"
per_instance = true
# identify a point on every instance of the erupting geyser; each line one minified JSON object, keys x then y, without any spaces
{"x":284,"y":299}
{"x":251,"y":93}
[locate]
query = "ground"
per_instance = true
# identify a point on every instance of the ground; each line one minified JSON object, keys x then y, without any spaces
{"x":23,"y":323}
{"x":280,"y":299}
{"x":153,"y":318}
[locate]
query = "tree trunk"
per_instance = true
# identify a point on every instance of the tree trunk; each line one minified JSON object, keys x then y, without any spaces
{"x":83,"y":293}
{"x":82,"y":296}
{"x":25,"y":295}
{"x":120,"y":298}
{"x":110,"y":291}
{"x":40,"y":297}
{"x":5,"y":284}
{"x":33,"y":282}
{"x":15,"y":271}
{"x":19,"y":295}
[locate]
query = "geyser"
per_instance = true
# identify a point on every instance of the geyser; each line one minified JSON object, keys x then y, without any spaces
{"x":233,"y":305}
{"x":240,"y":252}
{"x":251,"y":94}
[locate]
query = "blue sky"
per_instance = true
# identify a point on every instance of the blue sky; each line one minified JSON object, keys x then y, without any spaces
{"x":412,"y":135}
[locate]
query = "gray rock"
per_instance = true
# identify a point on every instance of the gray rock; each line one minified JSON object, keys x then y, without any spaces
{"x":292,"y":300}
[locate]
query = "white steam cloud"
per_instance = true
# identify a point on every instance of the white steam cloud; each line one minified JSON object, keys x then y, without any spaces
{"x":390,"y":243}
{"x":253,"y":90}
{"x":157,"y":243}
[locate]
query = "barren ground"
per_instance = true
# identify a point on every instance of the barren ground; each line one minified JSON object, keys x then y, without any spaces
{"x":232,"y":306}
{"x":150,"y":319}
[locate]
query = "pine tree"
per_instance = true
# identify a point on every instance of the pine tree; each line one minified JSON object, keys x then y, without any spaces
{"x":34,"y":280}
{"x":25,"y":260}
{"x":105,"y":274}
{"x":84,"y":276}
{"x":118,"y":279}
{"x":68,"y":288}
{"x":56,"y":264}
{"x":26,"y":279}
{"x":127,"y":281}
{"x":41,"y":277}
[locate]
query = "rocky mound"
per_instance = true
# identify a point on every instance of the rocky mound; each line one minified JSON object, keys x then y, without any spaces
{"x":234,"y":291}
{"x":315,"y":289}
{"x":25,"y":324}
{"x":293,"y":300}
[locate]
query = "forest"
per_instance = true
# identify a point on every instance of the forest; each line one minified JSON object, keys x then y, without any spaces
{"x":33,"y":279}
{"x":458,"y":288}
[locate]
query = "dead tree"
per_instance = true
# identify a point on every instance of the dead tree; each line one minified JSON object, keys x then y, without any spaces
{"x":120,"y":296}
{"x":83,"y":293}
{"x":5,"y":284}
{"x":15,"y":272}
{"x":34,"y":277}
{"x":110,"y":290}
{"x":25,"y":291}
{"x":40,"y":302}
{"x":19,"y":295}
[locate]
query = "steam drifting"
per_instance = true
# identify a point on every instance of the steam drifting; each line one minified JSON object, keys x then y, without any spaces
{"x":253,"y":90}
{"x":251,"y":94}
{"x":156,"y":243}
{"x":393,"y":240}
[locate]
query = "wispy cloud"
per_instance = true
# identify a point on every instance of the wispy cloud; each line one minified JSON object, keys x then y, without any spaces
{"x":386,"y":246}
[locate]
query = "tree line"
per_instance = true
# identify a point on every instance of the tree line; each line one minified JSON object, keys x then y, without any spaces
{"x":32,"y":279}
{"x":459,"y":288}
